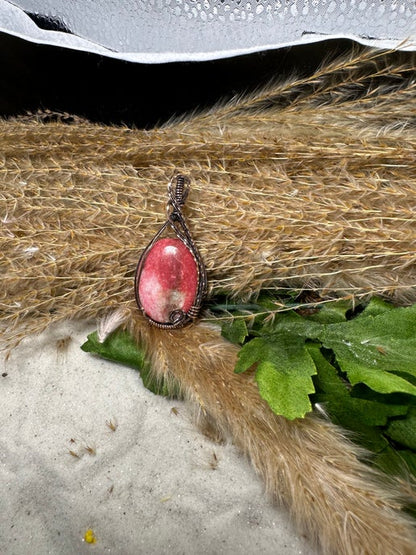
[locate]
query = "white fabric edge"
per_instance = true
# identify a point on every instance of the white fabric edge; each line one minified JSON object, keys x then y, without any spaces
{"x":73,"y":42}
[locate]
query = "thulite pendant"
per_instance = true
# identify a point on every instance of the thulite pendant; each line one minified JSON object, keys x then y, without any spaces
{"x":170,"y":279}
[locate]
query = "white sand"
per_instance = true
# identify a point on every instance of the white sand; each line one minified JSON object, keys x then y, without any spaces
{"x":150,"y":487}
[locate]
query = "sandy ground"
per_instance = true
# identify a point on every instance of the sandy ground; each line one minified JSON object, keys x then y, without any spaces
{"x":155,"y":485}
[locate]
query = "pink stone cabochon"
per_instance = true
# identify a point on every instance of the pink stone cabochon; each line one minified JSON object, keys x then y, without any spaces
{"x":168,"y":279}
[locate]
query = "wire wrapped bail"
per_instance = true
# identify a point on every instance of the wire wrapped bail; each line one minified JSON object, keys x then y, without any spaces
{"x":182,"y":185}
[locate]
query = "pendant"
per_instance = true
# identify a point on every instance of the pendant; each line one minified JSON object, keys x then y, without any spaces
{"x":171,"y":280}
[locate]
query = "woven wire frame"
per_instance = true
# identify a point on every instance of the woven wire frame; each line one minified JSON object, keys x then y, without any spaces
{"x":178,"y":190}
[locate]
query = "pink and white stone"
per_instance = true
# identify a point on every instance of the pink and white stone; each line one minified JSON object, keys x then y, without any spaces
{"x":168,"y":280}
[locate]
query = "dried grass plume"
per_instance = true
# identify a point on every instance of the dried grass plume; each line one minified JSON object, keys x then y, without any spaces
{"x":307,"y":464}
{"x":308,"y":185}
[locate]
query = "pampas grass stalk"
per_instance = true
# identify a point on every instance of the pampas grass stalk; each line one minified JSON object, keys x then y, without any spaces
{"x":308,"y":464}
{"x":307,"y":185}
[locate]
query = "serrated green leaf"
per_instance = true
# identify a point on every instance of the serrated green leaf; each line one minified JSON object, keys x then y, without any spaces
{"x":368,"y":348}
{"x":121,"y":347}
{"x":235,"y":331}
{"x":349,"y":408}
{"x":366,"y":372}
{"x":286,"y":395}
{"x":283,"y":372}
{"x":364,"y":417}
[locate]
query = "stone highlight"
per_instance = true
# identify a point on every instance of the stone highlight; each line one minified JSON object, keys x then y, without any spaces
{"x":168,"y":279}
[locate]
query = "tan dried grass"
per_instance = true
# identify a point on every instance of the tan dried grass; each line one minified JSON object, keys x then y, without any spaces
{"x":307,"y":185}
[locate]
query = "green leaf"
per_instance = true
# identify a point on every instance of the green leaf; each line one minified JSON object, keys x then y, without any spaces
{"x":369,"y":347}
{"x":331,"y":313}
{"x":235,"y":331}
{"x":376,"y":378}
{"x":398,"y":462}
{"x":121,"y":347}
{"x":283,"y":372}
{"x":375,"y":307}
{"x":340,"y":398}
{"x":291,"y":323}
{"x":403,"y":430}
{"x":362,"y":416}
{"x":410,"y":459}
